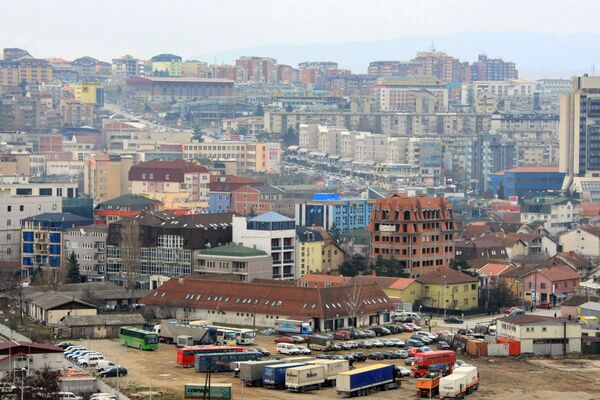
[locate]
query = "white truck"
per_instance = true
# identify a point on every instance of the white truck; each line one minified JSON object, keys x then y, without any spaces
{"x":453,"y":386}
{"x":332,"y":368}
{"x":472,"y":376}
{"x":169,"y":330}
{"x":303,"y":378}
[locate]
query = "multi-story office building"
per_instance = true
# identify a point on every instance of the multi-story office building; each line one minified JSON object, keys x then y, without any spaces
{"x":244,"y":262}
{"x":106,"y":176}
{"x":42,"y":242}
{"x":158,"y":177}
{"x":417,"y":233}
{"x":330,"y":210}
{"x":492,"y":69}
{"x":14,"y":209}
{"x":75,"y":113}
{"x":88,"y":243}
{"x":258,"y":157}
{"x":525,"y":182}
{"x":417,"y":94}
{"x":167,"y":242}
{"x":527,"y":127}
{"x":274,"y":234}
{"x":580,"y":136}
{"x":166,"y":65}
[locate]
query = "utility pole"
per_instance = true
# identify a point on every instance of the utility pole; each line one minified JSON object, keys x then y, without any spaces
{"x":444,"y":296}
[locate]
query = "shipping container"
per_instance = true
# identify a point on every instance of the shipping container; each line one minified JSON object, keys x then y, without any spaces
{"x":472,"y":377}
{"x":221,"y":362}
{"x":316,"y":342}
{"x":332,"y":368}
{"x":453,"y":386}
{"x":366,"y":380}
{"x":274,"y":375}
{"x":305,"y":378}
{"x":251,"y":372}
{"x":221,"y":391}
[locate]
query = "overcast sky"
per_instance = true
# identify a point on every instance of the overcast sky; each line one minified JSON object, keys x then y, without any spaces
{"x":111,"y":28}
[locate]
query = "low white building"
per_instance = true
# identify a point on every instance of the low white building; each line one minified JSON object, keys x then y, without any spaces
{"x":16,"y":356}
{"x":583,"y":240}
{"x":541,"y":335}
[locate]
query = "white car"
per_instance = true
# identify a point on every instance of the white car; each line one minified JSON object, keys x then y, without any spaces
{"x":68,"y":396}
{"x":104,"y":364}
{"x":90,"y":360}
{"x":74,"y":347}
{"x":431,"y":336}
{"x":103,"y":396}
{"x":304,"y":350}
{"x":287,"y":348}
{"x":83,"y":357}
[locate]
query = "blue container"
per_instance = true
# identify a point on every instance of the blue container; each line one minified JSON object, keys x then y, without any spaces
{"x":221,"y":362}
{"x":274,"y":375}
{"x":367,"y":378}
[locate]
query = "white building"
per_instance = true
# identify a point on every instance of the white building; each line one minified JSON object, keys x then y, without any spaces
{"x":541,"y":335}
{"x":555,"y":214}
{"x":89,"y":245}
{"x":272,"y":233}
{"x":584,"y":240}
{"x":14,"y":209}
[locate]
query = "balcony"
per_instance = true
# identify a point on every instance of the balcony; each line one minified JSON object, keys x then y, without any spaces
{"x":274,"y":248}
{"x":288,"y":261}
{"x":288,"y":247}
{"x":278,"y":261}
{"x":289,"y":275}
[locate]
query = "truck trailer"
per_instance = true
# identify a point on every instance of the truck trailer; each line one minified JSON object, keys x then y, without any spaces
{"x":292,"y":326}
{"x":251,"y":372}
{"x":304,"y":378}
{"x":472,"y":376}
{"x":169,"y":330}
{"x":367,"y":380}
{"x":274,"y":375}
{"x":332,"y":369}
{"x":316,"y":342}
{"x":453,"y":386}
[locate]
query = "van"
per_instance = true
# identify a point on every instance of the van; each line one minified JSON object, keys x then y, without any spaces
{"x":407,"y":314}
{"x":68,"y":396}
{"x":287,"y":348}
{"x":105,"y":364}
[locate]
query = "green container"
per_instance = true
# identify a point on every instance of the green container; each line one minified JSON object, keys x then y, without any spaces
{"x":194,"y":391}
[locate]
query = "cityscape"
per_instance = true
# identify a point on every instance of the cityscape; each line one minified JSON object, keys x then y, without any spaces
{"x":256,"y":203}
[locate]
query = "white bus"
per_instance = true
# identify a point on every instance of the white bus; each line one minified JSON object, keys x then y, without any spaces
{"x":227,"y":336}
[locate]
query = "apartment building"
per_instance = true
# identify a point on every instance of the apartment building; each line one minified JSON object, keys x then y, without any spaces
{"x":88,"y":243}
{"x":244,"y":262}
{"x":126,"y":67}
{"x":157,"y":177}
{"x":331,"y":210}
{"x":126,"y":206}
{"x":554,"y":214}
{"x":260,"y":157}
{"x":106,"y":176}
{"x":492,"y":69}
{"x":440,"y":65}
{"x":256,"y":70}
{"x":259,"y":199}
{"x":420,"y":95}
{"x":26,"y":186}
{"x":166,"y":65}
{"x":76,"y":113}
{"x":393,"y":68}
{"x":418,"y":233}
{"x":274,"y":234}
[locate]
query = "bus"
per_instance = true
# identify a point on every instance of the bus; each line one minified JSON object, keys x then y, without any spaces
{"x":138,"y":338}
{"x":435,"y":361}
{"x":221,"y":362}
{"x":234,"y":336}
{"x":185,"y":356}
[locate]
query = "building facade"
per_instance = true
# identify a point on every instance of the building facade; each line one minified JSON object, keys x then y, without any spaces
{"x":330,"y":210}
{"x":244,"y":262}
{"x":88,"y":243}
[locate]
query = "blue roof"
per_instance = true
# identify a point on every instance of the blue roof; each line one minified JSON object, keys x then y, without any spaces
{"x":270,"y":217}
{"x":57,"y":217}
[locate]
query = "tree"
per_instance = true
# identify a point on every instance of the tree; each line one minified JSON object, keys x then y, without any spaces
{"x":354,"y":303}
{"x":73,"y":272}
{"x":259,"y":111}
{"x":131,"y":249}
{"x":357,"y":265}
{"x":335,"y":233}
{"x":290,"y":138}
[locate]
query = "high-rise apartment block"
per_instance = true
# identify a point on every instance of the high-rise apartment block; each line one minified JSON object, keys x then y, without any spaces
{"x":492,"y":69}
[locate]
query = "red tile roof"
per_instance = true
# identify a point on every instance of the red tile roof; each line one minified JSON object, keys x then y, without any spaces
{"x":402,"y":283}
{"x":28,"y":347}
{"x":319,"y":280}
{"x":266,"y":298}
{"x":493,"y":269}
{"x":446,"y":275}
{"x":176,"y":169}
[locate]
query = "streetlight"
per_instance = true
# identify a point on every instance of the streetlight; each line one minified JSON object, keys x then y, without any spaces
{"x":444,"y":296}
{"x":23,"y":372}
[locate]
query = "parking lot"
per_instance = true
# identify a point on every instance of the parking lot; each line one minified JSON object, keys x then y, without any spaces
{"x":500,"y":378}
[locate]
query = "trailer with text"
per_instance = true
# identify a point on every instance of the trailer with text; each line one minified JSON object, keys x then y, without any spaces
{"x":367,"y":380}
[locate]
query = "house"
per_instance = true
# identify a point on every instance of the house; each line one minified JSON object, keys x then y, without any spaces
{"x":322,"y":280}
{"x":261,"y":304}
{"x":401,"y":291}
{"x":105,"y":326}
{"x":449,"y":289}
{"x":554,"y":214}
{"x":550,"y":281}
{"x":580,"y":264}
{"x":260,"y":199}
{"x":17,"y":355}
{"x":128,"y":205}
{"x":49,"y":308}
{"x":584,"y":240}
{"x":309,"y":246}
{"x":541,"y":335}
{"x":489,"y":274}
{"x":480,"y":251}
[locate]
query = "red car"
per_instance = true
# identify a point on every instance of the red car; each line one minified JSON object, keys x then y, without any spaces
{"x":510,"y":309}
{"x":545,"y":304}
{"x":284,"y":339}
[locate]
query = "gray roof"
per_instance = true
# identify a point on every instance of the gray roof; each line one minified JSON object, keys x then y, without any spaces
{"x":271,"y":216}
{"x":103,"y":319}
{"x":51,"y":300}
{"x":591,"y":306}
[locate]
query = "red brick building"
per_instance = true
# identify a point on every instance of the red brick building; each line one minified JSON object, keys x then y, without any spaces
{"x":259,"y":199}
{"x":415,"y":232}
{"x":229,"y":183}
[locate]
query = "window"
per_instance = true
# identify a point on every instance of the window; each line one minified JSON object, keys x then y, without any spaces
{"x":9,"y":208}
{"x":21,"y":208}
{"x":543,"y":285}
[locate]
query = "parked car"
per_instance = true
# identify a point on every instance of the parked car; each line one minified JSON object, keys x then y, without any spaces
{"x":402,"y":353}
{"x":407,"y":328}
{"x":64,"y":345}
{"x":287,"y":348}
{"x":325,"y":356}
{"x":369,"y":333}
{"x":388,"y":355}
{"x":378,"y":344}
{"x":466,"y":331}
{"x":103,"y":396}
{"x":268,"y":332}
{"x":89,"y":360}
{"x":425,"y":349}
{"x":283,"y":339}
{"x":408,"y":361}
{"x":360,"y":357}
{"x":414,"y":343}
{"x":356,"y":335}
{"x":510,"y":309}
{"x":453,"y":320}
{"x":415,"y":327}
{"x":104,"y":364}
{"x":414,"y":350}
{"x":423,"y":339}
{"x":342,"y":334}
{"x":387,"y":342}
{"x":403,"y":372}
{"x":112,"y":372}
{"x":376,"y":356}
{"x":68,"y":396}
{"x":263,"y":351}
{"x":365,"y":344}
{"x":298,"y":339}
{"x":6,"y":387}
{"x":397,"y":342}
{"x":304,"y":350}
{"x":443,"y":346}
{"x":516,"y":313}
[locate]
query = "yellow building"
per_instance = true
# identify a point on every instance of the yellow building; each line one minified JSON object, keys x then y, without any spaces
{"x":399,"y":290}
{"x":106,"y":176}
{"x":309,"y":248}
{"x":178,"y":201}
{"x":86,"y":92}
{"x":250,"y":156}
{"x":449,"y":289}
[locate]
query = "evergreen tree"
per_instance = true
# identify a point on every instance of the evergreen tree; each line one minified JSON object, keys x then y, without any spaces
{"x":73,"y":273}
{"x":260,"y":112}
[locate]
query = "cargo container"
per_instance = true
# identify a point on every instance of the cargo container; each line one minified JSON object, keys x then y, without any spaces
{"x":251,"y":372}
{"x":316,"y":342}
{"x":221,"y":391}
{"x":185,"y":341}
{"x":274,"y":375}
{"x":428,"y":385}
{"x":299,"y":359}
{"x":221,"y":362}
{"x":453,"y":386}
{"x":332,"y":368}
{"x":305,"y":378}
{"x":366,"y":380}
{"x":472,"y":377}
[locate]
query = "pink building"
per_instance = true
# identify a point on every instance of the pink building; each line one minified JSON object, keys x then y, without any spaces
{"x":551,"y":283}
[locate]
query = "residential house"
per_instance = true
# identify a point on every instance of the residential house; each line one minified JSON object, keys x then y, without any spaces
{"x":583,"y":240}
{"x":128,"y":205}
{"x":479,"y":252}
{"x":570,"y":307}
{"x":582,"y":265}
{"x":401,"y":291}
{"x":260,"y":199}
{"x":309,"y":246}
{"x":104,"y":326}
{"x":541,"y":336}
{"x":449,"y":289}
{"x":551,"y":281}
{"x":261,"y":304}
{"x":490,"y":273}
{"x":555,"y":214}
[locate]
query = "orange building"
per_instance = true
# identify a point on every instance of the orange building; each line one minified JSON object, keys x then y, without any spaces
{"x":417,"y":232}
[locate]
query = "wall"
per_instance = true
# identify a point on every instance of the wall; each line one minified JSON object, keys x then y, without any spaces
{"x":54,"y":361}
{"x":464,"y":299}
{"x":54,"y":316}
{"x":309,"y":258}
{"x":581,"y":242}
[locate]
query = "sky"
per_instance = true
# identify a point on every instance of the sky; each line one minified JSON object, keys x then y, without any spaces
{"x":106,"y":29}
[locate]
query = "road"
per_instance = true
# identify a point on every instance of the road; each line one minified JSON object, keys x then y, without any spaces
{"x":470,"y":322}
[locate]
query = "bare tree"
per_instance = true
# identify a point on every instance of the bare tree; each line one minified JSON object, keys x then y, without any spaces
{"x":131,"y":250}
{"x":354,"y":303}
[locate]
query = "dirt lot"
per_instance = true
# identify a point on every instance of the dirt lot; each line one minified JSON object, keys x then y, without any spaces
{"x":500,"y":378}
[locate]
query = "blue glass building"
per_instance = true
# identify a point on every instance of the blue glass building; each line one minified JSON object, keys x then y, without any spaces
{"x":329,"y":210}
{"x":526,"y":182}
